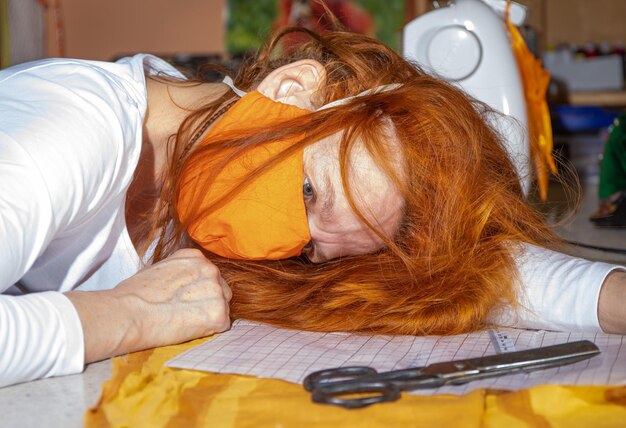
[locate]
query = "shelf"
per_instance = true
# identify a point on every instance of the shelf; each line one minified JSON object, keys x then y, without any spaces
{"x":598,"y":98}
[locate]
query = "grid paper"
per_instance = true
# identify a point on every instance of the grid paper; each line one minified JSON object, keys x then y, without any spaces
{"x":254,"y":349}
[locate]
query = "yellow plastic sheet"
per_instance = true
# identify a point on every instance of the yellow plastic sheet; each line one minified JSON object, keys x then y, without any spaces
{"x":144,"y":393}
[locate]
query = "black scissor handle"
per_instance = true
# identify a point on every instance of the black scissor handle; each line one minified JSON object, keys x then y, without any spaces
{"x":322,"y":377}
{"x":331,"y":393}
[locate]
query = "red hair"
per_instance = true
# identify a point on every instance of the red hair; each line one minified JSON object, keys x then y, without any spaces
{"x":450,"y":264}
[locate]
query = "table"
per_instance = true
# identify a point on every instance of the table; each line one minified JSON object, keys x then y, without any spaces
{"x":54,"y":402}
{"x":233,"y":401}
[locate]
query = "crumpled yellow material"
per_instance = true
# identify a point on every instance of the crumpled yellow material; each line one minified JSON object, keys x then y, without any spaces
{"x":144,"y":393}
{"x":535,"y":80}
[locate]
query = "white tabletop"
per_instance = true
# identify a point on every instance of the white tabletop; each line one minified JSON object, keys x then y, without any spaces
{"x":53,"y":402}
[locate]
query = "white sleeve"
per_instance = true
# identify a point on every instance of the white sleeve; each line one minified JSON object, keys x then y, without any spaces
{"x":40,"y":333}
{"x":27,"y":218}
{"x":40,"y":336}
{"x":58,"y":120}
{"x":556,"y":292}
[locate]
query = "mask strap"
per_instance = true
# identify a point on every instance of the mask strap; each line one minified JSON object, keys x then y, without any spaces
{"x":376,"y":90}
{"x":229,"y":82}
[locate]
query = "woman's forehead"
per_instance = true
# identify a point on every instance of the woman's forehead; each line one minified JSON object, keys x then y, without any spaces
{"x":385,"y":142}
{"x":367,"y":165}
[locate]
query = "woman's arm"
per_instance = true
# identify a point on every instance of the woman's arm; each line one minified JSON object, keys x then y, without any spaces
{"x":563,"y":293}
{"x":181,"y":298}
{"x":52,"y":334}
{"x":64,"y":170}
{"x":612,"y":303}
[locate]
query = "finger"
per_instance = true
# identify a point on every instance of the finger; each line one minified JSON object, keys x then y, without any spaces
{"x":218,"y":317}
{"x":194,"y":263}
{"x":228,"y":293}
{"x":203,"y":290}
{"x":186,"y":253}
{"x":225,"y":324}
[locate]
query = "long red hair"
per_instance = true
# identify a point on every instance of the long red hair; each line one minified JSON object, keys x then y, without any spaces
{"x":450,"y":264}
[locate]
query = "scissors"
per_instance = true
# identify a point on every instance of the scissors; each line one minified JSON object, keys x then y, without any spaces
{"x":331,"y":386}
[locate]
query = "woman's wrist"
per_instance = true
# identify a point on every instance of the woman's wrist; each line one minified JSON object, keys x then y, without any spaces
{"x":108,"y":321}
{"x":134,"y":315}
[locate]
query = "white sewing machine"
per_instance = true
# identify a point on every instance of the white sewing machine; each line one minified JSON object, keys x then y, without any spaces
{"x":466,"y":43}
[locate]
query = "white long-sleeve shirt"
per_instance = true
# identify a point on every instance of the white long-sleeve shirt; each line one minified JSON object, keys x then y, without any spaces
{"x":70,"y":138}
{"x":556,"y":292}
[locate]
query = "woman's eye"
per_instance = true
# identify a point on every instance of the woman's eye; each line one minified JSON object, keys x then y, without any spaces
{"x":307,"y":190}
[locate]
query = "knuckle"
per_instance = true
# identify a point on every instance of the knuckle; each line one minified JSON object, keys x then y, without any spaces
{"x":219,"y":318}
{"x":194,"y":252}
{"x":210,"y":270}
{"x":225,"y":326}
{"x":202,"y":268}
{"x":217,"y":293}
{"x":228,"y":293}
{"x":225,"y":311}
{"x":189,"y":252}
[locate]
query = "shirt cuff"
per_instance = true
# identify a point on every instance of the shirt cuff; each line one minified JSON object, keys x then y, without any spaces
{"x":74,"y":359}
{"x":40,"y":336}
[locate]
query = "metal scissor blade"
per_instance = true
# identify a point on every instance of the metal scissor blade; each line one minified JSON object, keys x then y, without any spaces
{"x":462,"y":371}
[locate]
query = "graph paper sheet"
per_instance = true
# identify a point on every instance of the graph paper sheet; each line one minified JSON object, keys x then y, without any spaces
{"x":263,"y":351}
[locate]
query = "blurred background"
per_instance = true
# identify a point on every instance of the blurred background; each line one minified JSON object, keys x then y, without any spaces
{"x":223,"y":29}
{"x":581,"y":43}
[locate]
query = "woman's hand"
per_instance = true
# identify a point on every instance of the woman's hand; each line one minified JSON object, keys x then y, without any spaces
{"x":612,"y":303}
{"x":180,"y":298}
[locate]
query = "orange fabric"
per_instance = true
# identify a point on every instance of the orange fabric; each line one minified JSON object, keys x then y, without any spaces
{"x":536,"y":80}
{"x":265,"y":220}
{"x":143,"y":392}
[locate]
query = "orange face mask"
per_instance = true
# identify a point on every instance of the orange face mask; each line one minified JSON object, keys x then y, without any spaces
{"x":266,"y":220}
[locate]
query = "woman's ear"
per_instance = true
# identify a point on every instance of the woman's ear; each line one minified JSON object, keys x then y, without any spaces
{"x":295,"y":83}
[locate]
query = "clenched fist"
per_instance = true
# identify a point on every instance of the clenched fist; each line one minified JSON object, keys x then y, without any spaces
{"x":180,"y":298}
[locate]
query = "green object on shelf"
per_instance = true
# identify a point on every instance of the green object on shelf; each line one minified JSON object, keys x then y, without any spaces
{"x":613,"y":167}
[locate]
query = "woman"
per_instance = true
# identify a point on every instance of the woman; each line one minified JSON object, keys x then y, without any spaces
{"x":394,"y":210}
